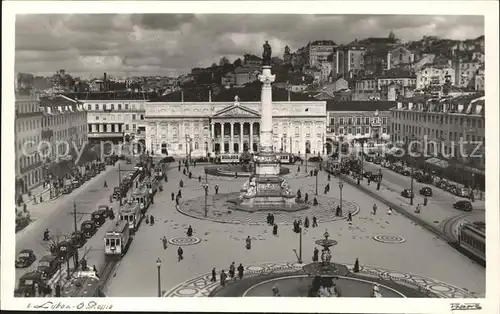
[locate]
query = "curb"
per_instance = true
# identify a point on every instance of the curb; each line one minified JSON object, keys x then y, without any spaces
{"x":398,"y":208}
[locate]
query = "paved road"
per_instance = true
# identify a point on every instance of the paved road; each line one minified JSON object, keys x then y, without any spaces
{"x":55,"y":215}
{"x":220,"y":244}
{"x":440,"y":206}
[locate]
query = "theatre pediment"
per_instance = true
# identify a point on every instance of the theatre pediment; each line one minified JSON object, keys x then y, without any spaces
{"x":237,"y":111}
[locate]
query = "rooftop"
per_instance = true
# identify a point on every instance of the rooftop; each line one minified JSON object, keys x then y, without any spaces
{"x":111,"y":95}
{"x":323,"y":43}
{"x":333,"y":105}
{"x":58,"y":100}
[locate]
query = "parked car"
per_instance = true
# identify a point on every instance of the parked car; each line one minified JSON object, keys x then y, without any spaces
{"x":398,"y":169}
{"x":376,"y":177}
{"x":128,"y":161}
{"x":462,"y":192}
{"x":168,"y":159}
{"x":463,"y":205}
{"x":88,"y":228}
{"x":65,"y":251}
{"x":25,"y":258}
{"x":367,"y":174}
{"x":426,"y":191}
{"x":405,"y":172}
{"x":66,"y":189}
{"x":442,"y":184}
{"x":424,"y":178}
{"x":98,"y":217}
{"x":121,"y":157}
{"x":315,"y":159}
{"x":106,"y":210}
{"x":452,"y":189}
{"x":377,"y":161}
{"x":75,"y":184}
{"x":78,"y":239}
{"x":47,"y":266}
{"x":407,"y":193}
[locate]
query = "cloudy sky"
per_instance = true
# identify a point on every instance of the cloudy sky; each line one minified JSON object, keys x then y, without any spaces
{"x":163,"y":44}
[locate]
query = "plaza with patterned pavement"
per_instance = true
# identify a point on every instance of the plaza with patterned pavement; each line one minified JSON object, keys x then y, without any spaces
{"x":385,"y":243}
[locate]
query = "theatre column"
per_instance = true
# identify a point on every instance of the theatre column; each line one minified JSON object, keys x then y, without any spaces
{"x":241,"y":137}
{"x":231,"y":148}
{"x":251,"y":137}
{"x":222,"y":137}
{"x":212,"y":136}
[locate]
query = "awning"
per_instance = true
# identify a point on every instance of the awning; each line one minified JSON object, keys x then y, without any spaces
{"x":438,"y":162}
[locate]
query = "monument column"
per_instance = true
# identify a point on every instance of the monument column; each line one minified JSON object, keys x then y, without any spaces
{"x":266,"y":124}
{"x":231,"y":142}
{"x":222,"y":137}
{"x":251,"y":137}
{"x":241,"y":137}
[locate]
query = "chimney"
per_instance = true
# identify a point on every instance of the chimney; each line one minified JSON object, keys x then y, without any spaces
{"x":105,"y":82}
{"x":400,"y":105}
{"x":388,"y":61}
{"x":412,"y":58}
{"x":209,"y":95}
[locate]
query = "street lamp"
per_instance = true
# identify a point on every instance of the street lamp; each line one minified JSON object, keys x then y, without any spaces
{"x":158,"y":265}
{"x":316,"y":172}
{"x":341,"y":186}
{"x":410,"y":159}
{"x":205,"y":187}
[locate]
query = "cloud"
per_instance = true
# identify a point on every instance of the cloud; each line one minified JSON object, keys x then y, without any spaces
{"x":158,"y":43}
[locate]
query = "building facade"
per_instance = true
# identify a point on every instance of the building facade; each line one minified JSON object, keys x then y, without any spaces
{"x":349,"y":60}
{"x":207,"y":128}
{"x":444,"y":122}
{"x":354,"y":120}
{"x":318,"y":52}
{"x":479,"y":79}
{"x":400,"y":57}
{"x":435,"y":74}
{"x":28,"y":162}
{"x":464,"y":71}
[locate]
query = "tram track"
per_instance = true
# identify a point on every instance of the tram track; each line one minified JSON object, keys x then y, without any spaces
{"x":107,"y":273}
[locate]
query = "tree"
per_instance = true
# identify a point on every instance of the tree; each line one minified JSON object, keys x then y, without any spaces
{"x":223,"y":61}
{"x":391,"y":35}
{"x":237,"y":63}
{"x":214,"y":65}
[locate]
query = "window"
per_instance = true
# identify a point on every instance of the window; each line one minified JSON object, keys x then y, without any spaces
{"x":134,"y":126}
{"x":384,"y":130}
{"x":341,"y":121}
{"x":358,"y":130}
{"x":349,"y":130}
{"x":384,"y":120}
{"x":90,"y":107}
{"x":367,"y":120}
{"x":119,"y":106}
{"x":96,"y":106}
{"x":341,"y":130}
{"x":349,"y":121}
{"x":180,"y":146}
{"x":126,"y":127}
{"x":112,"y":106}
{"x":133,"y":117}
{"x":142,"y":117}
{"x":126,"y":106}
{"x":332,"y":121}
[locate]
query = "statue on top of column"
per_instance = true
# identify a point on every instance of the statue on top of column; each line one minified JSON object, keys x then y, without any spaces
{"x":266,"y":55}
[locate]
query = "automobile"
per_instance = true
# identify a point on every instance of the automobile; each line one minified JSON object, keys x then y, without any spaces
{"x":452,"y":189}
{"x":117,"y":192}
{"x":367,"y":174}
{"x":25,"y":258}
{"x":407,"y":193}
{"x":315,"y":159}
{"x":426,"y":191}
{"x":168,"y":159}
{"x":128,"y":161}
{"x":463,"y":205}
{"x":65,"y":250}
{"x":424,"y":178}
{"x":47,"y":266}
{"x":442,"y":184}
{"x":297,"y":158}
{"x":66,"y":189}
{"x":93,"y":173}
{"x":102,"y":166}
{"x":78,"y":239}
{"x":106,"y":210}
{"x":377,"y":161}
{"x":462,"y":192}
{"x":405,"y":172}
{"x":121,"y":157}
{"x":98,"y":217}
{"x":88,"y":228}
{"x":75,"y":184}
{"x":27,"y":283}
{"x":375,"y":177}
{"x":85,"y":178}
{"x":398,"y":169}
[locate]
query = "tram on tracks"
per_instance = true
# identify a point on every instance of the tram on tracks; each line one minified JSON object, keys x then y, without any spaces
{"x":333,"y":166}
{"x":228,"y":158}
{"x":472,"y":240}
{"x":285,"y":158}
{"x":143,"y":197}
{"x":131,"y":213}
{"x":83,"y":287}
{"x":117,"y":240}
{"x":152,"y":184}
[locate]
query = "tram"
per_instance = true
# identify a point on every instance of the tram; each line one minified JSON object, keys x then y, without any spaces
{"x":152,"y":185}
{"x":228,"y":158}
{"x":333,"y":166}
{"x":131,"y":212}
{"x":117,"y":240}
{"x":285,"y":158}
{"x":472,"y":239}
{"x":143,"y":198}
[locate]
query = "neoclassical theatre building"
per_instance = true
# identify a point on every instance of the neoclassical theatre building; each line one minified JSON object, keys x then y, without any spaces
{"x":208,"y":128}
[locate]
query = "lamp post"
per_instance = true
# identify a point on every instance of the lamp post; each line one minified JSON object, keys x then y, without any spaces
{"x":205,"y":187}
{"x":158,"y":265}
{"x":300,"y":245}
{"x":341,"y":186}
{"x":316,"y":172}
{"x":410,"y":159}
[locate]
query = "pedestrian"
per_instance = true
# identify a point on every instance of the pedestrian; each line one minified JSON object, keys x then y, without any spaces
{"x":172,"y":195}
{"x":180,"y":251}
{"x":147,"y":220}
{"x":374,"y":209}
{"x":349,"y":216}
{"x":275,"y":229}
{"x":152,"y":220}
{"x":276,"y":291}
{"x":315,"y":255}
{"x":184,"y":171}
{"x":179,"y":194}
{"x":306,"y":198}
{"x":248,"y":243}
{"x":299,"y":194}
{"x":41,"y":199}
{"x":311,"y":173}
{"x":223,"y":277}
{"x":164,"y":242}
{"x":315,"y":222}
{"x":369,"y":180}
{"x":94,"y":269}
{"x":199,"y":179}
{"x":389,"y":212}
{"x":306,"y":222}
{"x":472,"y":198}
{"x":181,"y":184}
{"x":298,"y":169}
{"x":425,"y":200}
{"x":240,"y":271}
{"x":417,"y":210}
{"x":214,"y":274}
{"x":236,"y":175}
{"x":232,"y":270}
{"x":190,"y":175}
{"x":358,"y":180}
{"x":216,"y":189}
{"x":315,"y":201}
{"x":268,"y":218}
{"x":329,"y":177}
{"x":190,"y":231}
